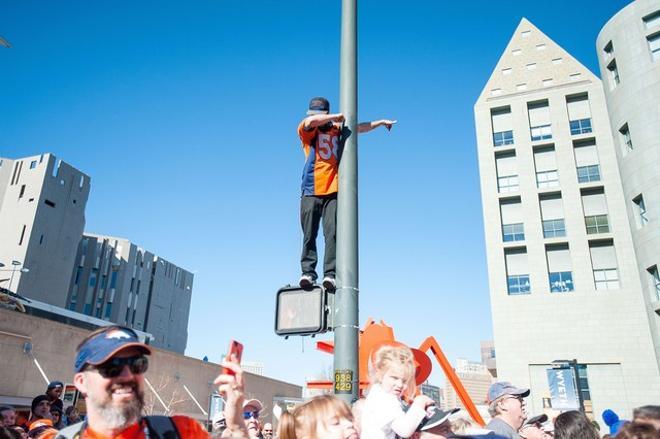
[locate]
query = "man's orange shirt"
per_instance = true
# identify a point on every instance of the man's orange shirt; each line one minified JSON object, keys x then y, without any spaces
{"x":320,"y":174}
{"x":187,"y":428}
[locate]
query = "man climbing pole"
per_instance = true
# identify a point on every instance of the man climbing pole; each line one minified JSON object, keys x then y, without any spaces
{"x":320,"y":134}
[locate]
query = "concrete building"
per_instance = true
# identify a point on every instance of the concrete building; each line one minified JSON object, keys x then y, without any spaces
{"x":563,"y":276}
{"x":181,"y":382}
{"x":488,"y":356}
{"x":118,"y":281}
{"x":475,"y":378}
{"x":433,"y":392}
{"x":42,"y":217}
{"x":628,"y":50}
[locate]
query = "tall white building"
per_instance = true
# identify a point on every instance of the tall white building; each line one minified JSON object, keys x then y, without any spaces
{"x":118,"y":281}
{"x":562,"y":269}
{"x":628,"y":50}
{"x":42,"y":216}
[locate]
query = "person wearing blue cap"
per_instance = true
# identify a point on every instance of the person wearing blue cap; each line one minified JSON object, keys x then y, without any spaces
{"x":109,"y":373}
{"x":320,"y":135}
{"x":507,"y":408}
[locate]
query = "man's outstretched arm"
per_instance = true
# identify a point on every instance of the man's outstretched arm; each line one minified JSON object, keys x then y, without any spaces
{"x":321,"y":119}
{"x":365,"y":127}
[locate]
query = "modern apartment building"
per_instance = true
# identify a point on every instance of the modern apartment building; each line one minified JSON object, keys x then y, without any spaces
{"x":42,"y":217}
{"x":118,"y":281}
{"x":628,"y":50}
{"x":488,"y":358}
{"x":563,"y":275}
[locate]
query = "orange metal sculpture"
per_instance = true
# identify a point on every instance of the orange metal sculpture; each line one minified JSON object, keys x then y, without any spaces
{"x":375,"y":335}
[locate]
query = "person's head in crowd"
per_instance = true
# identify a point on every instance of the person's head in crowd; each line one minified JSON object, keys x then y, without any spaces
{"x":72,"y":415}
{"x":20,"y":430}
{"x":41,"y":427}
{"x":506,"y":403}
{"x":54,"y":390}
{"x":267,"y":431}
{"x":251,"y":412}
{"x":393,"y":369}
{"x":634,"y":430}
{"x":612,"y":420}
{"x":7,"y":416}
{"x":324,"y":416}
{"x":56,"y":416}
{"x":9,"y":433}
{"x":109,"y":373}
{"x":438,"y":426}
{"x":574,"y":425}
{"x":648,"y":414}
{"x":40,"y":408}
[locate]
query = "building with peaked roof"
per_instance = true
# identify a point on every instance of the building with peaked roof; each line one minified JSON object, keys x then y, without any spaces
{"x":562,"y":270}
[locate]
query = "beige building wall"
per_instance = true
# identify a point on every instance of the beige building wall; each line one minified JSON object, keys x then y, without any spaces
{"x":628,"y":49}
{"x":606,"y":329}
{"x":42,"y":217}
{"x":475,"y":378}
{"x":53,"y":346}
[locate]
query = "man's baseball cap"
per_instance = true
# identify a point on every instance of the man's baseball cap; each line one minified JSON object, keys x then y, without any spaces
{"x":318,"y":105}
{"x":438,"y":417}
{"x":55,"y":385}
{"x":253,"y":403}
{"x":502,"y":388}
{"x":106,"y":344}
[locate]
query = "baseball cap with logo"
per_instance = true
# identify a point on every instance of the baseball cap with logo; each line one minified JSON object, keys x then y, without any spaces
{"x":502,"y":388}
{"x":106,"y":344}
{"x":318,"y":105}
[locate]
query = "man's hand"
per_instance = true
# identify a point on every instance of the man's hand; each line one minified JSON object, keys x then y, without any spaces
{"x":532,"y":432}
{"x":387,"y":123}
{"x":231,"y":388}
{"x":365,"y":127}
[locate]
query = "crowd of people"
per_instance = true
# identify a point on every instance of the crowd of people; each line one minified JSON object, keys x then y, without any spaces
{"x":109,"y":373}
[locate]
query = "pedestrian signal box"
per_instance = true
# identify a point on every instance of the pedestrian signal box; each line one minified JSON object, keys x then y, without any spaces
{"x":301,"y":311}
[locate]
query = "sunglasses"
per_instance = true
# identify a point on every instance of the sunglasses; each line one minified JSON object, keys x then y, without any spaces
{"x":248,"y":415}
{"x":114,"y":367}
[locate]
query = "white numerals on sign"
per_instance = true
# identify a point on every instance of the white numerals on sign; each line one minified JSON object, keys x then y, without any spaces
{"x":327,"y":145}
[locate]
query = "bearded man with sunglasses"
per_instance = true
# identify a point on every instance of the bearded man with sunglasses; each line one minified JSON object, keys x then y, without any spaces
{"x":109,"y":373}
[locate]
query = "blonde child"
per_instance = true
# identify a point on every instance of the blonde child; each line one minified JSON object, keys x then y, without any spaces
{"x":325,"y":417}
{"x":392,"y":376}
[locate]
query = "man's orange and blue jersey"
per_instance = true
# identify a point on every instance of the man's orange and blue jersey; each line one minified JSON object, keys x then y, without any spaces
{"x":320,"y":174}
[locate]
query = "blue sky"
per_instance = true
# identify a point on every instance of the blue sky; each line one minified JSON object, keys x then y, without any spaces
{"x":185,"y":115}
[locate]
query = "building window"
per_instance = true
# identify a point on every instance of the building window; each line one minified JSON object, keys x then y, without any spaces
{"x":539,"y":120}
{"x":507,"y":173}
{"x":507,"y":71}
{"x":521,"y":87}
{"x":554,"y":228}
{"x":614,"y":74}
{"x":588,"y":174}
{"x":655,"y":281}
{"x":552,"y":216}
{"x":22,"y":192}
{"x":49,"y":203}
{"x":626,"y":140}
{"x":545,"y":161}
{"x":540,"y":46}
{"x":654,"y":46}
{"x":531,"y":66}
{"x":595,"y":211}
{"x":579,"y":113}
{"x":586,"y":160}
{"x":517,"y":272}
{"x":574,"y":76}
{"x":108,"y":310}
{"x":652,"y":20}
{"x":547,"y":82}
{"x":557,"y":61}
{"x":516,"y":52}
{"x":609,"y":49}
{"x":33,"y":164}
{"x":502,"y":126}
{"x":603,"y":261}
{"x":20,"y":241}
{"x":513,"y":232}
{"x":640,"y":211}
{"x":559,"y":268}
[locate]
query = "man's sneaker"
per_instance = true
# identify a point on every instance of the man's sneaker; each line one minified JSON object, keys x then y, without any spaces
{"x":329,"y":283}
{"x":306,"y":281}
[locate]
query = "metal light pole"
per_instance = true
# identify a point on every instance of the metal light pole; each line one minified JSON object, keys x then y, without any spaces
{"x":346,"y":329}
{"x":14,"y":265}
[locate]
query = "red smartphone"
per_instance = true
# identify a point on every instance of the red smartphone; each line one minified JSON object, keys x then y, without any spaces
{"x":235,"y":348}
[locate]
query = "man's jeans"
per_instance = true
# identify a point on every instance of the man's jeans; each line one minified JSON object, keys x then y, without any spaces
{"x":312,"y":210}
